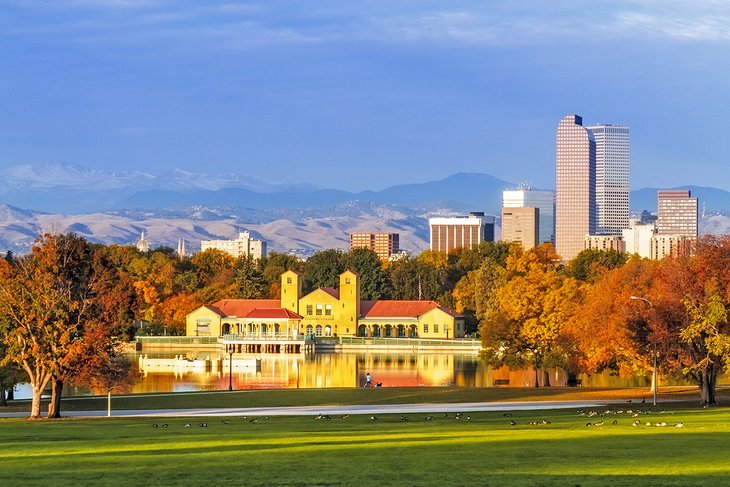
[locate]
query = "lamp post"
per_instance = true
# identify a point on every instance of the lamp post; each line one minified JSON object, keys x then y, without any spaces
{"x":230,"y":368}
{"x":654,"y":376}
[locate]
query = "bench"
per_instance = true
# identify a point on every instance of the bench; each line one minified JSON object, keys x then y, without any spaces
{"x":501,"y":382}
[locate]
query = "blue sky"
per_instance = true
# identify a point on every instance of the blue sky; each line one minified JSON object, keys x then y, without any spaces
{"x":363,"y":95}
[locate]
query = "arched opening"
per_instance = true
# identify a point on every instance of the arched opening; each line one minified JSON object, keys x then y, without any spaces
{"x":388,"y":331}
{"x":310,"y":330}
{"x":226,"y":329}
{"x":362,"y":331}
{"x":401,"y":331}
{"x":277,"y":329}
{"x":264,"y":329}
{"x":413,"y":331}
{"x":328,"y":331}
{"x":318,"y":331}
{"x":376,"y":330}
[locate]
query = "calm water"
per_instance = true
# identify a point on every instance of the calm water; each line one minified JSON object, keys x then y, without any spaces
{"x":170,"y":372}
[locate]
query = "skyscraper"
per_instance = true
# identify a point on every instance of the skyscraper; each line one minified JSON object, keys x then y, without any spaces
{"x":612,"y":178}
{"x":677,"y":213}
{"x":383,"y":244}
{"x":526,"y":197}
{"x":575,"y":185}
{"x":451,"y":233}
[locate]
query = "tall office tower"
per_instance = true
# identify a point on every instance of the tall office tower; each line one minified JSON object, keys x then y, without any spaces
{"x":677,"y":213}
{"x":383,"y":244}
{"x":466,"y":232}
{"x":612,"y":178}
{"x":575,"y":184}
{"x":525,"y":197}
{"x":521,"y":225}
{"x":243,"y":246}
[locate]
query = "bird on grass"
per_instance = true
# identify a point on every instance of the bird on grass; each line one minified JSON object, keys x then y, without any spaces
{"x":468,"y":418}
{"x":679,"y":425}
{"x":345,"y":416}
{"x":429,"y":418}
{"x":615,"y":421}
{"x":598,"y":423}
{"x":512,"y":422}
{"x":446,"y":415}
{"x":154,"y":425}
{"x":164,"y":425}
{"x":188,"y":425}
{"x":225,"y":421}
{"x":404,"y":418}
{"x":373,"y":418}
{"x":254,"y":420}
{"x":203,"y":425}
{"x":507,"y":415}
{"x":636,"y":422}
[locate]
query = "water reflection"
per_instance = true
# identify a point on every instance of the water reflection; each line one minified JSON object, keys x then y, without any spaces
{"x":209,"y":371}
{"x":201,"y":371}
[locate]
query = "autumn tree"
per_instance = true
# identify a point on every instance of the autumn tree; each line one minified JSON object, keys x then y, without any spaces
{"x":590,"y":263}
{"x":44,"y":302}
{"x":533,"y":306}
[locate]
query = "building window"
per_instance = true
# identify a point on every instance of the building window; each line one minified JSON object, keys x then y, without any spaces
{"x":328,"y":310}
{"x":319,"y":310}
{"x":347,"y":280}
{"x":309,"y":309}
{"x":435,"y":328}
{"x":425,"y":328}
{"x":202,"y":327}
{"x":288,"y":280}
{"x":318,"y":331}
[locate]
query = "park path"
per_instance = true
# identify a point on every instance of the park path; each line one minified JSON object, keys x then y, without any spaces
{"x":463,"y":407}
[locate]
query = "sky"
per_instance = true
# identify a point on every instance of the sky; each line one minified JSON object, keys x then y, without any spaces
{"x":363,"y":95}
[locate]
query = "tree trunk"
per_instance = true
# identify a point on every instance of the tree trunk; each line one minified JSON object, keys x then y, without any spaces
{"x":3,"y":401}
{"x":708,"y":383}
{"x":537,"y":374}
{"x":11,"y":394}
{"x":35,"y":405}
{"x":546,"y":378}
{"x":54,"y":408}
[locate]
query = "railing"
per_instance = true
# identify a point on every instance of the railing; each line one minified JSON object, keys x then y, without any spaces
{"x":466,"y":343}
{"x":261,"y":337}
{"x":177,"y":340}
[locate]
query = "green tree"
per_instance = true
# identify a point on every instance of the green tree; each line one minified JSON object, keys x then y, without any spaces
{"x":323,"y":269}
{"x":374,"y":281}
{"x":591,"y":263}
{"x":248,"y":279}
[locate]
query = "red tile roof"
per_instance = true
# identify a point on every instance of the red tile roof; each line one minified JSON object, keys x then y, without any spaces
{"x":241,"y":307}
{"x":331,"y":291}
{"x":400,"y":309}
{"x":271,"y":313}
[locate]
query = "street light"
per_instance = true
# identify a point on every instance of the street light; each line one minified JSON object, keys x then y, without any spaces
{"x":654,"y":377}
{"x":230,"y":368}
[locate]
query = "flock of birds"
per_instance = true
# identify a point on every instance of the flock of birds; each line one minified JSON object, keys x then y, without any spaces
{"x":634,"y":413}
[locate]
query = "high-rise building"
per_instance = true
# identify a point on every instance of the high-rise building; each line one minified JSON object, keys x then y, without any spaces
{"x":612,"y":178}
{"x":521,"y":225}
{"x":575,"y":184}
{"x":384,"y":245}
{"x":466,"y":232}
{"x":525,"y":197}
{"x":243,"y":246}
{"x":677,"y":213}
{"x":638,"y":239}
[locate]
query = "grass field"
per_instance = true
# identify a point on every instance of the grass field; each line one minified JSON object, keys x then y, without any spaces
{"x":385,"y":395}
{"x":300,"y":451}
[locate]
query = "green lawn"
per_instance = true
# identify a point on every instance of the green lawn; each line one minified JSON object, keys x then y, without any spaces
{"x":385,"y":395}
{"x":299,"y":451}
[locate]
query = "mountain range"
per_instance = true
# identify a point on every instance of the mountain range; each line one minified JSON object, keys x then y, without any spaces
{"x":115,"y":207}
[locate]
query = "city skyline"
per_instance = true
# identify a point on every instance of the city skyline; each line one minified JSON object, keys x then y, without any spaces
{"x":416,"y":92}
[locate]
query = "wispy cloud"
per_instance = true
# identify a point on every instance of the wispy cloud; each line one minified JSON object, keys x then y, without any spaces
{"x":228,"y":24}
